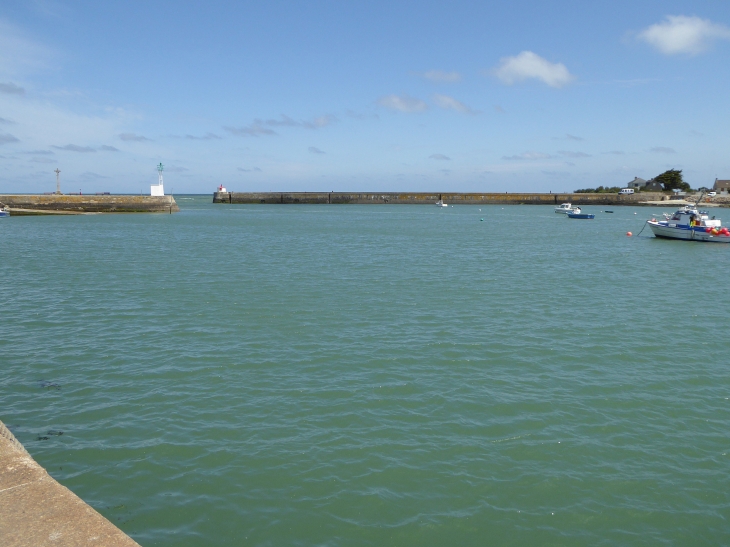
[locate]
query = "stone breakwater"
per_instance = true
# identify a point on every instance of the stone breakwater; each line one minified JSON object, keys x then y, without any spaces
{"x":47,"y":204}
{"x":36,"y":510}
{"x":427,"y":198}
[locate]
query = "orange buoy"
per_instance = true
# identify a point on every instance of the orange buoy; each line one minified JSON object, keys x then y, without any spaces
{"x":629,"y":234}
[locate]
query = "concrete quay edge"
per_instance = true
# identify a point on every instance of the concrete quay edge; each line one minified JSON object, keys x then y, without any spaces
{"x":452,"y":198}
{"x":42,"y":204}
{"x":37,"y":511}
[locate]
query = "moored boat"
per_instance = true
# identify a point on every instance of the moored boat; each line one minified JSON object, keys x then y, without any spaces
{"x":564,"y":208}
{"x":690,"y":224}
{"x":576,"y":213}
{"x":440,"y":203}
{"x":4,"y":211}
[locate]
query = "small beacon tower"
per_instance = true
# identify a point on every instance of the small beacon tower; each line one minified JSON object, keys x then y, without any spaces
{"x":158,"y":189}
{"x":58,"y":181}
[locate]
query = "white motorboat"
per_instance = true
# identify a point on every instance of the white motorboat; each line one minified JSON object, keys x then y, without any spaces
{"x":690,"y":224}
{"x":565,"y":208}
{"x":4,"y":211}
{"x":440,"y":203}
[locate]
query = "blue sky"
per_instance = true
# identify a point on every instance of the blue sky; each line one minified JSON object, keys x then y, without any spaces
{"x":356,"y":96}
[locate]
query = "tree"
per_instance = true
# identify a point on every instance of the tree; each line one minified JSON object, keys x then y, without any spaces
{"x":672,"y":180}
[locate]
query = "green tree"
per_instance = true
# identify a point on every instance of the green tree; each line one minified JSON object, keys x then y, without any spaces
{"x":672,"y":180}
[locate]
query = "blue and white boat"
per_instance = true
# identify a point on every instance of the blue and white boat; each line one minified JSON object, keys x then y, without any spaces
{"x":690,"y":224}
{"x":576,"y":213}
{"x":4,"y":211}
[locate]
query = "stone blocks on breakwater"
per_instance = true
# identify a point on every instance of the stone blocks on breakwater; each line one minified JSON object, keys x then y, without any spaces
{"x":36,"y":204}
{"x":36,"y":510}
{"x":427,"y":198}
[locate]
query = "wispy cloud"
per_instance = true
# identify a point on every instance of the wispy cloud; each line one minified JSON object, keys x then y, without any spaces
{"x":132,"y":137}
{"x":253,"y":130}
{"x":176,"y":169}
{"x":7,"y":122}
{"x":207,"y":137}
{"x":6,"y":138}
{"x":286,"y":121}
{"x":569,"y":154}
{"x":679,"y":34}
{"x":10,"y":88}
{"x":528,"y":65}
{"x":499,"y":109}
{"x":663,"y":150}
{"x":74,"y":148}
{"x":573,"y":137}
{"x":402,"y":103}
{"x":528,"y":156}
{"x":440,"y":76}
{"x":42,"y":160}
{"x":107,"y":148}
{"x":40,"y":152}
{"x":440,"y":157}
{"x":615,"y":152}
{"x":252,"y":170}
{"x":449,"y":103}
{"x":315,"y":150}
{"x":262,"y":127}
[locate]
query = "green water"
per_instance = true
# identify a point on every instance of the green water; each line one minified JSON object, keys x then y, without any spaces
{"x":373,"y":375}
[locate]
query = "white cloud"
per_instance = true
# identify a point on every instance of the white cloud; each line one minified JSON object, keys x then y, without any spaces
{"x":679,"y":34}
{"x":439,"y":157}
{"x":441,"y":76}
{"x":444,"y":101}
{"x":528,"y":65}
{"x":404,"y":103}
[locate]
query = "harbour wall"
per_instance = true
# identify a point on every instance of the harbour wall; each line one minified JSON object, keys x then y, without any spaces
{"x":40,"y":204}
{"x":429,"y":198}
{"x":36,"y":510}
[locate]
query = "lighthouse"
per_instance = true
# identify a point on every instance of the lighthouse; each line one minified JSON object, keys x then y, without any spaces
{"x":158,"y":189}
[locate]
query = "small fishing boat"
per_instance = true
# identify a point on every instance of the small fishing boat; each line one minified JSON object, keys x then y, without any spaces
{"x":440,"y":203}
{"x":576,"y":213}
{"x":564,"y":208}
{"x":4,"y":211}
{"x":690,"y":224}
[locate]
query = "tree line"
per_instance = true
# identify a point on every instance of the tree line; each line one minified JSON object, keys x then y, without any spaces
{"x":670,"y":180}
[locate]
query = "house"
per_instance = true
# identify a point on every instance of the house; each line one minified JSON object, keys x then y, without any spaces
{"x":653,"y":186}
{"x":640,"y":184}
{"x":721,"y":185}
{"x":636,"y":183}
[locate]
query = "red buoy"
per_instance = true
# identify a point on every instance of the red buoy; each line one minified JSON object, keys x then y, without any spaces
{"x":629,"y":234}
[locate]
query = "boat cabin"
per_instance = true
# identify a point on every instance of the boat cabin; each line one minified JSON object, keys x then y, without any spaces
{"x":689,"y":216}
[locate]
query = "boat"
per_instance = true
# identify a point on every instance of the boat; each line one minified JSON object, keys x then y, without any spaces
{"x":4,"y":211}
{"x":440,"y":203}
{"x":564,"y":208}
{"x":690,"y":224}
{"x":576,"y":213}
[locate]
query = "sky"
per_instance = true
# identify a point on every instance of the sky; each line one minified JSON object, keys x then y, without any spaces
{"x":457,"y":96}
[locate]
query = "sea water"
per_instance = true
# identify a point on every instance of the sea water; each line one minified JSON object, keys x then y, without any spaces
{"x":373,"y":375}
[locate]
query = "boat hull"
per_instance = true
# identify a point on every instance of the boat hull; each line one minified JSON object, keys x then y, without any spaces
{"x":581,"y":215}
{"x":686,"y":233}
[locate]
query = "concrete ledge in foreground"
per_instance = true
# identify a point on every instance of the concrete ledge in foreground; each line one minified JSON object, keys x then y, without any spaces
{"x":36,"y":204}
{"x":37,"y":511}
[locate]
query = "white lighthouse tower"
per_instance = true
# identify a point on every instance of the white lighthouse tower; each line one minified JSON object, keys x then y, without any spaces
{"x":158,"y":189}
